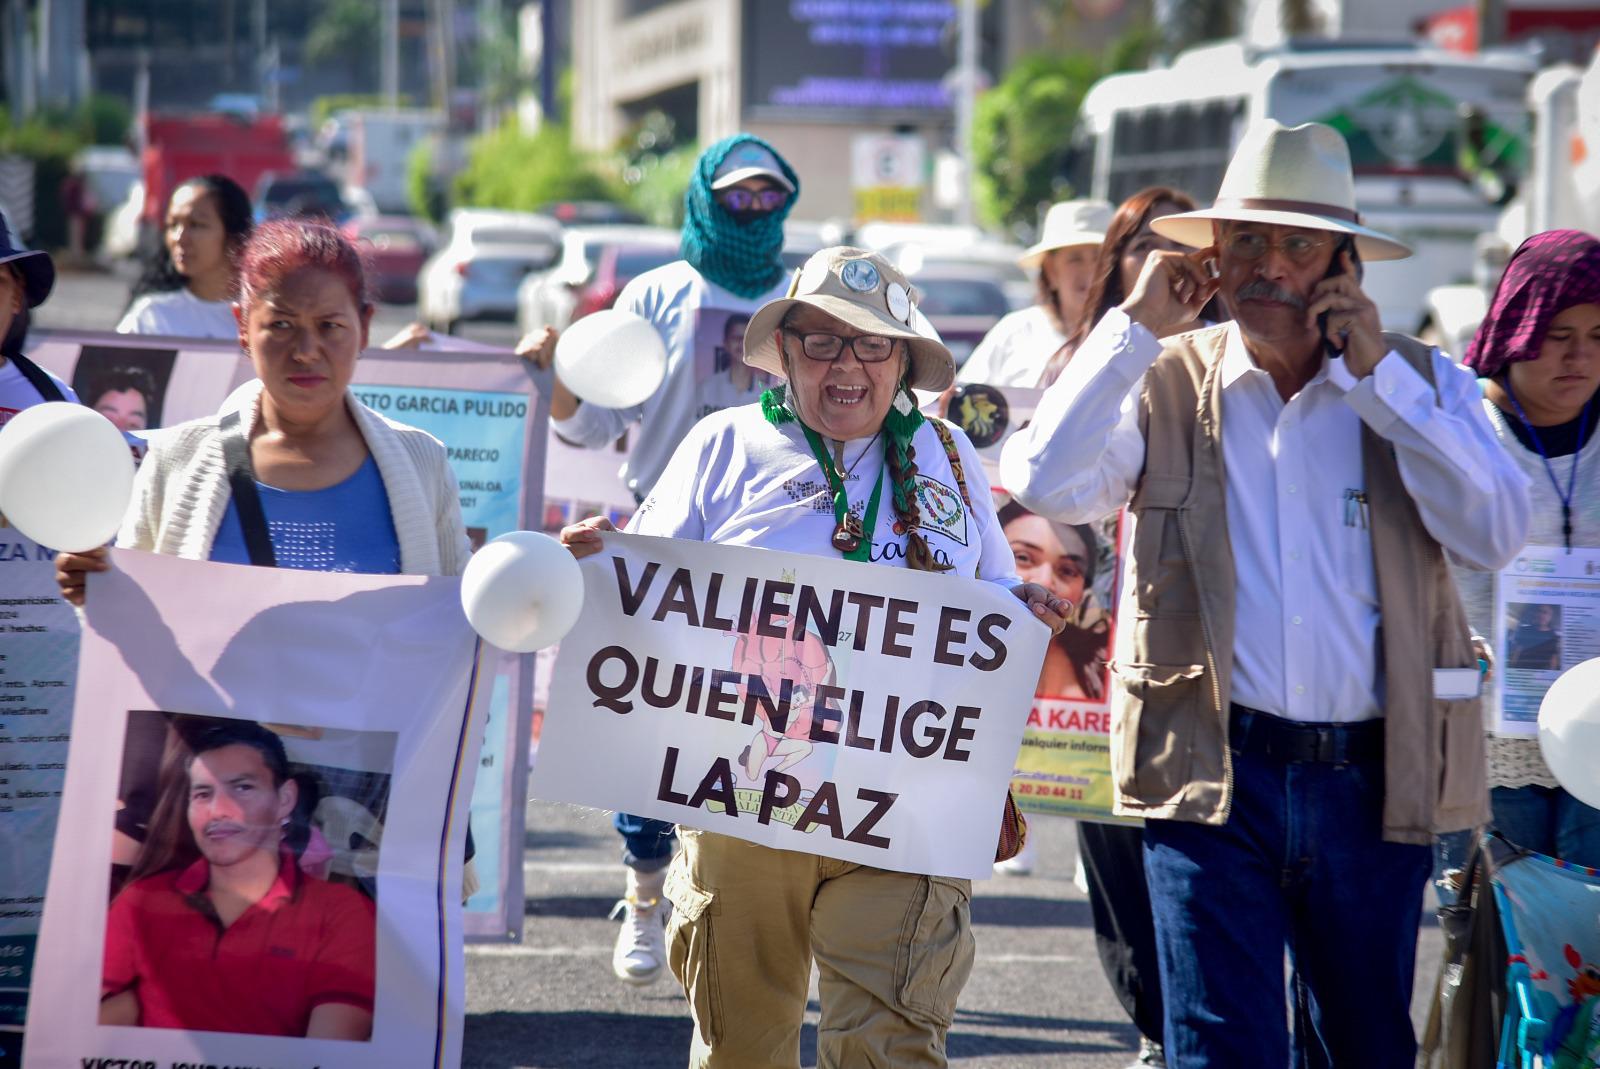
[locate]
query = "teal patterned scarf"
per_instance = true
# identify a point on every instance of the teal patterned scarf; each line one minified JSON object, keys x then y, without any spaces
{"x":741,"y":258}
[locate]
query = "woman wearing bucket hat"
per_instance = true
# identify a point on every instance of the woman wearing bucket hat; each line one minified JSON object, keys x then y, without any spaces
{"x":734,"y":209}
{"x":25,"y":281}
{"x":1288,"y":718}
{"x":1537,"y":354}
{"x":1017,"y":349}
{"x":837,"y":461}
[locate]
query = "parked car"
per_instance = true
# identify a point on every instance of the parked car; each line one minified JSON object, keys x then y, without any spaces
{"x":992,"y":260}
{"x":590,"y":213}
{"x":801,"y":238}
{"x":300,"y":193}
{"x":596,"y":262}
{"x":120,"y":237}
{"x":962,"y":306}
{"x":475,"y":274}
{"x":396,"y":247}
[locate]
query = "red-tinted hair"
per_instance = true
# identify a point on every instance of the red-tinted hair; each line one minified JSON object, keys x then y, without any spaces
{"x":1105,"y":292}
{"x":279,"y":248}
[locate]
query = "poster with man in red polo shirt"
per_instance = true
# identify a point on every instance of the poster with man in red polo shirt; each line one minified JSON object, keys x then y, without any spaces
{"x":246,"y":903}
{"x":258,"y":857}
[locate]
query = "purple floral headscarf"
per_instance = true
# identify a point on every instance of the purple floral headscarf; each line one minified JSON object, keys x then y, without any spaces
{"x":1549,"y":273}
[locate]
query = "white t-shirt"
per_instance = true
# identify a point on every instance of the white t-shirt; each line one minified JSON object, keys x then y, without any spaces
{"x":180,"y":314}
{"x":739,"y":480}
{"x":692,"y":314}
{"x":1015,"y":350}
{"x":17,"y":393}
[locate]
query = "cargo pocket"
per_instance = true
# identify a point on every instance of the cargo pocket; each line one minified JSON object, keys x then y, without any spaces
{"x":1152,"y":744}
{"x":691,"y":954}
{"x":1463,"y":779}
{"x":936,"y":951}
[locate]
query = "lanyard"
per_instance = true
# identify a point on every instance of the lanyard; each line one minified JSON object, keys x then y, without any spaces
{"x":848,"y":536}
{"x":1549,"y":469}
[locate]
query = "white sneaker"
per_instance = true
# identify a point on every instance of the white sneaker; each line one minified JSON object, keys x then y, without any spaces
{"x":641,"y":950}
{"x":1022,"y":864}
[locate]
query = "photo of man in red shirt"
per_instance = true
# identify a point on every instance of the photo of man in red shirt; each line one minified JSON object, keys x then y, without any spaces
{"x":240,"y":940}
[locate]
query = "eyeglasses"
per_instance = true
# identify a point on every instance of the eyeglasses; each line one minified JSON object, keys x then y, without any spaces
{"x":743,"y":200}
{"x":868,"y":348}
{"x":1253,"y":245}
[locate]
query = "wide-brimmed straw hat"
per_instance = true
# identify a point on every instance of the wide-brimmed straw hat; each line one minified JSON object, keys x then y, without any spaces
{"x":864,"y":290}
{"x":1286,"y":176}
{"x":38,"y":270}
{"x":1069,"y":223}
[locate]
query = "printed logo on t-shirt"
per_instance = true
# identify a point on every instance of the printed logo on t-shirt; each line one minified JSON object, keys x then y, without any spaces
{"x":722,"y":378}
{"x":943,"y":511}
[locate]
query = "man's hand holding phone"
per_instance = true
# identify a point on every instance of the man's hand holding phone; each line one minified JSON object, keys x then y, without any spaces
{"x":1172,"y":289}
{"x":1350,"y":321}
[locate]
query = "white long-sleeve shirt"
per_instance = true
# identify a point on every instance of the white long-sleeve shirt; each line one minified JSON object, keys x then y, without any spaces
{"x":1306,"y":608}
{"x":1015,"y":351}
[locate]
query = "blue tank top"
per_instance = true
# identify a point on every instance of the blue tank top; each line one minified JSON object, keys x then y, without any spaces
{"x":346,"y":527}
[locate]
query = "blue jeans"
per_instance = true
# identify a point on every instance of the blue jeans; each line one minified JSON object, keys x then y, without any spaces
{"x":646,"y":844}
{"x":1546,"y":819}
{"x":1301,"y":864}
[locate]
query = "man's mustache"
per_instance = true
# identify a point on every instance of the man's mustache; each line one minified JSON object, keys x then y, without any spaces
{"x":1261,"y":289}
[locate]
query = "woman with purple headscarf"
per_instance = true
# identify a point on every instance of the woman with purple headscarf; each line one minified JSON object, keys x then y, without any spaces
{"x":1538,"y":355}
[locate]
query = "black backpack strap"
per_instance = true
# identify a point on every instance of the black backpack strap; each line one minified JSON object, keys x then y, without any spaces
{"x":246,"y":498}
{"x":37,"y":377}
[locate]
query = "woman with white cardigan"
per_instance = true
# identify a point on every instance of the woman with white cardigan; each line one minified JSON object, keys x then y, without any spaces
{"x":337,"y":487}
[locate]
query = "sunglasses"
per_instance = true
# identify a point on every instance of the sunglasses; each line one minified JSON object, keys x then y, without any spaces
{"x":744,"y":200}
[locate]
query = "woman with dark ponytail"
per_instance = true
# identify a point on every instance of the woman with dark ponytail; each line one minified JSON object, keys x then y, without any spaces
{"x":187,"y":289}
{"x":836,"y":462}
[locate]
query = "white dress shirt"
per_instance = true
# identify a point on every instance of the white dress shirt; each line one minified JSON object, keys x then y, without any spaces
{"x":1306,"y":608}
{"x":1015,"y":351}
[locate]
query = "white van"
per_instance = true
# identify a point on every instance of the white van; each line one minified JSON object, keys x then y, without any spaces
{"x":1425,"y":127}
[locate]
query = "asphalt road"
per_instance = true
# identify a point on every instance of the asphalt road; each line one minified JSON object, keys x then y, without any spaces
{"x":1036,"y":999}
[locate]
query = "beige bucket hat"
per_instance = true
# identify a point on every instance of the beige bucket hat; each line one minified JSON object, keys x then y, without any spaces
{"x":1069,"y":223}
{"x":864,"y":290}
{"x":1286,"y":176}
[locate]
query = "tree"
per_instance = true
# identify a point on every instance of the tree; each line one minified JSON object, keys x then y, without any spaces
{"x":1020,"y":133}
{"x":347,"y":33}
{"x":509,"y":169}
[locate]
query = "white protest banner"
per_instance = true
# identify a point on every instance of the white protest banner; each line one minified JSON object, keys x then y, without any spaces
{"x":482,"y":404}
{"x":1546,"y":620}
{"x":807,"y":703}
{"x":258,"y":859}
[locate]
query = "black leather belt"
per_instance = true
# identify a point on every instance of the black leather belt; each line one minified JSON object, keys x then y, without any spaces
{"x":1277,"y":739}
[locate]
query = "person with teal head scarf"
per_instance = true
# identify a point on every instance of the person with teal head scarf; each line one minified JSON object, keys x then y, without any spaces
{"x":734,"y":209}
{"x":738,"y":248}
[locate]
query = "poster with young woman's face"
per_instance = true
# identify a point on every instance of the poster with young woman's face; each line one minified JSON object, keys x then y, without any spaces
{"x":1064,"y":765}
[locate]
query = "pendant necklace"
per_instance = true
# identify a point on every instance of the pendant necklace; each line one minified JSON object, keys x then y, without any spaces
{"x":849,"y":534}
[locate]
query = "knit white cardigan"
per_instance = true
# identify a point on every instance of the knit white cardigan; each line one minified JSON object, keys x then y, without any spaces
{"x":181,"y":492}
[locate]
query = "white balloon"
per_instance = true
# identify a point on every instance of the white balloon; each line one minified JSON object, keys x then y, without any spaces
{"x":611,"y":358}
{"x":522,"y":591}
{"x":1569,"y":730}
{"x":66,"y":476}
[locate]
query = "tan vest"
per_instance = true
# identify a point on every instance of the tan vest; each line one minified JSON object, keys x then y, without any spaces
{"x":1169,"y":751}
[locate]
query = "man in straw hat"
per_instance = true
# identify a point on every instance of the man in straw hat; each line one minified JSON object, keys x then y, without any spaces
{"x":836,"y":462}
{"x":1296,"y":693}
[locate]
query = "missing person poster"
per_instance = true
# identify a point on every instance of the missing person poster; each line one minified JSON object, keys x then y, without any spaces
{"x":806,"y":703}
{"x":258,"y":855}
{"x":1064,"y":765}
{"x":1546,"y":620}
{"x":483,"y":407}
{"x":481,"y":403}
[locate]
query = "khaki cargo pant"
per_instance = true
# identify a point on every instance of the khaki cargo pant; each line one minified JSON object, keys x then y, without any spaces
{"x":893,"y":951}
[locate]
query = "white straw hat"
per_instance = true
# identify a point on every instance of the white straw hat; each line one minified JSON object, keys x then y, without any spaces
{"x":1071,"y":222}
{"x":1286,"y":176}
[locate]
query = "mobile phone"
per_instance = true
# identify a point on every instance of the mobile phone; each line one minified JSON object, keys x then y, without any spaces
{"x":1335,"y":269}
